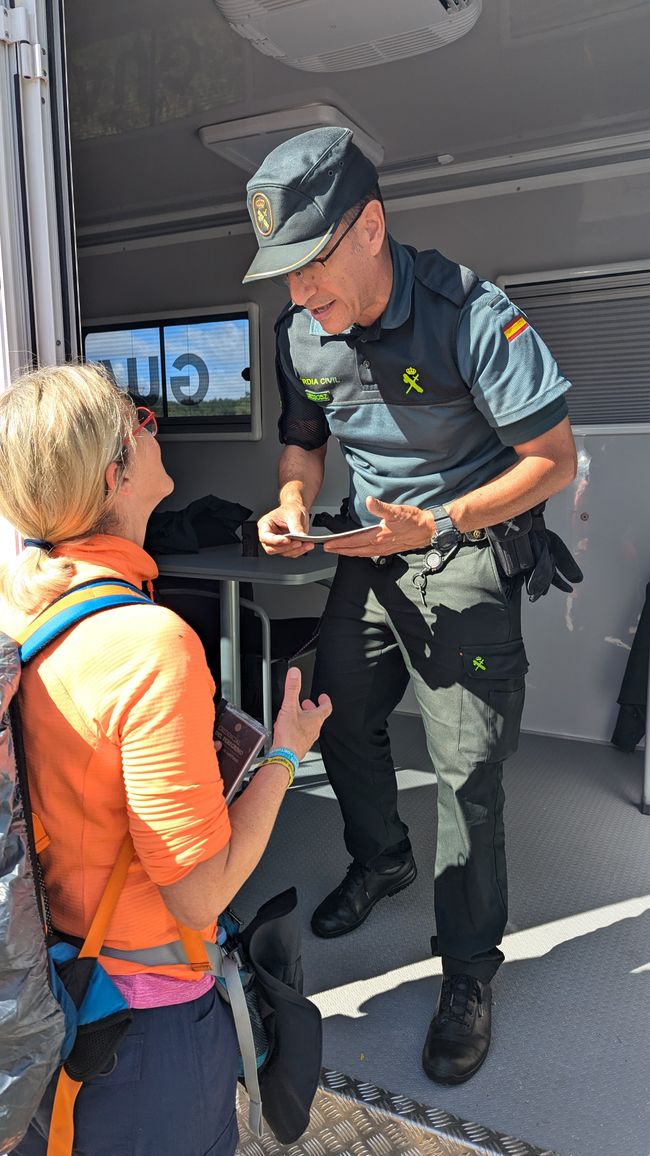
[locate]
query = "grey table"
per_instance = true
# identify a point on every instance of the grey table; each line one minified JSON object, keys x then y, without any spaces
{"x":227,"y":565}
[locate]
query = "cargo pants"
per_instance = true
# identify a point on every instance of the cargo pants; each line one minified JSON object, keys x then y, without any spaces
{"x":170,"y":1091}
{"x":465,"y":656}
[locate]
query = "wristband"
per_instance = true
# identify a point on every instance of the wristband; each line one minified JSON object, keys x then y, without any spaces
{"x":285,"y":753}
{"x":279,"y":761}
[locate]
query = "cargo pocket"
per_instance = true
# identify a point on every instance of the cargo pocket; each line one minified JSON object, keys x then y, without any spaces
{"x":492,"y":699}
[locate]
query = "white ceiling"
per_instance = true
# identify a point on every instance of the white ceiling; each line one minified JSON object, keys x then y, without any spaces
{"x":145,"y":77}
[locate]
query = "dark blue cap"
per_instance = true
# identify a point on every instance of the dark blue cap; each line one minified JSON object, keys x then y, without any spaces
{"x":300,"y":193}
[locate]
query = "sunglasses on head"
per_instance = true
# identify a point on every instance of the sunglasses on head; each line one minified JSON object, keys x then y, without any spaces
{"x":145,"y":419}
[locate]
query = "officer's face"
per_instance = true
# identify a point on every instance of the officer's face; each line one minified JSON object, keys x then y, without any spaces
{"x":347,"y":288}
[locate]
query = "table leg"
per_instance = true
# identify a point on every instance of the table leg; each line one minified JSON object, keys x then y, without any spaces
{"x":230,"y":644}
{"x":645,"y":793}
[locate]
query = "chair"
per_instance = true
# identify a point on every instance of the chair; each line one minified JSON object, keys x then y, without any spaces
{"x":268,"y":646}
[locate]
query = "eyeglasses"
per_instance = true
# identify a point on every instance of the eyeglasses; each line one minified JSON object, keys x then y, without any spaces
{"x":323,"y":260}
{"x":146,"y":419}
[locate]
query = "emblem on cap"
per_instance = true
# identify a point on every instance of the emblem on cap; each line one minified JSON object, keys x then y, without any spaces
{"x":263,"y":214}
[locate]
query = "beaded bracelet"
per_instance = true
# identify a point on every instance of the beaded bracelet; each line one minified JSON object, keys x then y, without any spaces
{"x":285,"y":753}
{"x":279,"y":761}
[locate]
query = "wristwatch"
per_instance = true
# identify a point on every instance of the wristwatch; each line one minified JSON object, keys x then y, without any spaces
{"x":446,"y":536}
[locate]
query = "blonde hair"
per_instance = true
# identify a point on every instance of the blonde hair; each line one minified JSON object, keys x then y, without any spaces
{"x":60,"y":428}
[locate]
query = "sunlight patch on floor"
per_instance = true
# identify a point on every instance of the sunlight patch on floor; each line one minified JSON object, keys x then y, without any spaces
{"x":531,"y":943}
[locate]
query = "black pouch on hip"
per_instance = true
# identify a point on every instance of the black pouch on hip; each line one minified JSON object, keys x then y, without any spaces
{"x":510,"y":541}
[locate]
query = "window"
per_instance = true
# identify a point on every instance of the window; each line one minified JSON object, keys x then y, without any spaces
{"x":199,"y":372}
{"x":596,"y":322}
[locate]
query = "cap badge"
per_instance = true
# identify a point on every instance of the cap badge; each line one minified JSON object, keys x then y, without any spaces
{"x":263,"y":214}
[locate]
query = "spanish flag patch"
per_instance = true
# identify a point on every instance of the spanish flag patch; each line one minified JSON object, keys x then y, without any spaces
{"x":515,"y":328}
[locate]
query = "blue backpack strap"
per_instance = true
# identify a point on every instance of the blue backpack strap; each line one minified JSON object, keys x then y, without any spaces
{"x":69,"y":608}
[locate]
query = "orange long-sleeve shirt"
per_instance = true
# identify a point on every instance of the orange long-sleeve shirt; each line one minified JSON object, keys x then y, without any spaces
{"x":117,"y":719}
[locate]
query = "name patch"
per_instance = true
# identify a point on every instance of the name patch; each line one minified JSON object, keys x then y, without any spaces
{"x":323,"y":395}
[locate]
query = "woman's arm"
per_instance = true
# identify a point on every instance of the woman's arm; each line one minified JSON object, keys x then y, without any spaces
{"x":208,"y":888}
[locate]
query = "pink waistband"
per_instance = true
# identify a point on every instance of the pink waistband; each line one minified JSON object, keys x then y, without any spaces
{"x":148,"y":989}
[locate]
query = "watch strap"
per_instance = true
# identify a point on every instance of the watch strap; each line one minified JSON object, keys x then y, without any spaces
{"x":446,"y":535}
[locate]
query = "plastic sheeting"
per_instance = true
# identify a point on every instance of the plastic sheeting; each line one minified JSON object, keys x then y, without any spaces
{"x":31,"y":1021}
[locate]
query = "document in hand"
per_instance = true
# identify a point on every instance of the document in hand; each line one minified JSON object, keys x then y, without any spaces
{"x":325,"y":536}
{"x":241,"y":739}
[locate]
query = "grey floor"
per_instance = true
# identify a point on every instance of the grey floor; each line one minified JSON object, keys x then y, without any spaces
{"x":569,"y":1065}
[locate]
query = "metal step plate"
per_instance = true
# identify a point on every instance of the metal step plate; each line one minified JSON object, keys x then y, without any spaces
{"x":351,"y":1118}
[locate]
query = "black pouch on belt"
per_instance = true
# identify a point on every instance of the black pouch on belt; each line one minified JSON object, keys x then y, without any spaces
{"x":510,"y":541}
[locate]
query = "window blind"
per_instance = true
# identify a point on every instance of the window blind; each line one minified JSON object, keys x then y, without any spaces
{"x":598,"y":329}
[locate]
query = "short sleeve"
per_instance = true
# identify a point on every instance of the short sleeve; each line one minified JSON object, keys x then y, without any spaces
{"x":535,"y":424}
{"x":302,"y":422}
{"x":174,"y":793}
{"x":506,"y":365}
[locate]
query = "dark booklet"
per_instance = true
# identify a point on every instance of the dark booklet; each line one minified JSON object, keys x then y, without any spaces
{"x":241,"y":738}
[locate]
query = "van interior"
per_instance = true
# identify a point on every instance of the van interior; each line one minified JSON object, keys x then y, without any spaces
{"x":514,"y":136}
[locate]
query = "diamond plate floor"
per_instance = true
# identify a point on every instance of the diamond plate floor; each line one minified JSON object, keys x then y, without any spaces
{"x":350,"y":1118}
{"x":570,"y":1055}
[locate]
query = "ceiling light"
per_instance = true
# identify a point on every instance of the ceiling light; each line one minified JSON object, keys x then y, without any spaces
{"x":248,"y":141}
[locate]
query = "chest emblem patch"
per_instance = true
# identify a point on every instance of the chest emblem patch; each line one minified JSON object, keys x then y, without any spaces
{"x":515,"y":328}
{"x":263,"y":214}
{"x":411,"y":379}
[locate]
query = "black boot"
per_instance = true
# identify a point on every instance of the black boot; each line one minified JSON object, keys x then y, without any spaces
{"x":353,"y":900}
{"x":459,"y":1034}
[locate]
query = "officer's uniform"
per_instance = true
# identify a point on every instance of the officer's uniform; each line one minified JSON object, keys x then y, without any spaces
{"x":427,"y":404}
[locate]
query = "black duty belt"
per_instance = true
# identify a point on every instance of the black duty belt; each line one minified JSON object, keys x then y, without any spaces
{"x":521,"y":545}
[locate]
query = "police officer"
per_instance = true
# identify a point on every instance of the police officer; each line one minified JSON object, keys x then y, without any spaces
{"x":450,"y":413}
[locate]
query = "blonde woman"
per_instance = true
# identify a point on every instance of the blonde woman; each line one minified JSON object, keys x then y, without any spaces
{"x":118,"y":718}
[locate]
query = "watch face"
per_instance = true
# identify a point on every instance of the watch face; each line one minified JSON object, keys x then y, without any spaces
{"x":433,"y":560}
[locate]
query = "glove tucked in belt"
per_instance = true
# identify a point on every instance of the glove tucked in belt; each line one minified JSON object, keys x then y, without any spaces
{"x":525,"y":545}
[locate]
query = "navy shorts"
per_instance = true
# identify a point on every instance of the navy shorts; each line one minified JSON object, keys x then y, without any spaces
{"x":172,"y":1090}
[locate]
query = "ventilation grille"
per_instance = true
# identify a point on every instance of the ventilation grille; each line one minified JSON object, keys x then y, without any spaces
{"x":380,"y":51}
{"x":455,"y":5}
{"x":289,"y":30}
{"x":248,"y":10}
{"x":598,"y":329}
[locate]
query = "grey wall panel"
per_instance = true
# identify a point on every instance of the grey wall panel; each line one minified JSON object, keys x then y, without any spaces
{"x":578,"y":644}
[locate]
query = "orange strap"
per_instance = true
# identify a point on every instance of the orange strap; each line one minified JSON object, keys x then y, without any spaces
{"x":61,"y":1134}
{"x":194,"y":948}
{"x":41,"y":837}
{"x":108,"y":902}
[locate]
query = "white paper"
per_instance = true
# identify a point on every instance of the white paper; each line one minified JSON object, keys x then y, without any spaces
{"x":325,"y":536}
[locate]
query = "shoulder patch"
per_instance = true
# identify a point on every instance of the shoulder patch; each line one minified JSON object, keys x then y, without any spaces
{"x":515,"y":328}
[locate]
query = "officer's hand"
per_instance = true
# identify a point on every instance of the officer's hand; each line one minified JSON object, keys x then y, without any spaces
{"x":401,"y":528}
{"x":273,"y":528}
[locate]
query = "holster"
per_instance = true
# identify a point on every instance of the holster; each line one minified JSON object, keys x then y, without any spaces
{"x":510,"y":541}
{"x":525,"y":545}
